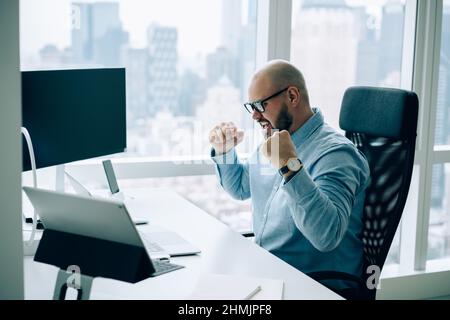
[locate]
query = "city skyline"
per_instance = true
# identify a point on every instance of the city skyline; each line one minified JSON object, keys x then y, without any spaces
{"x":135,"y":16}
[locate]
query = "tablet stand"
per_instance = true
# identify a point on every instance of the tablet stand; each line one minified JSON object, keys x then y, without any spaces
{"x":79,"y":282}
{"x":93,"y":257}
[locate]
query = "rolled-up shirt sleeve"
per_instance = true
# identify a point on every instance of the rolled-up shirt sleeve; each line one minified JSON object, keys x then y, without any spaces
{"x":233,"y":175}
{"x":321,"y":207}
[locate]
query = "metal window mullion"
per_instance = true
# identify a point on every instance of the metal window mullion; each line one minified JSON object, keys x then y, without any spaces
{"x":425,"y":81}
{"x":273,"y":31}
{"x":419,"y":158}
{"x":441,"y":156}
{"x":273,"y":38}
{"x":92,"y":170}
{"x":409,"y":216}
{"x":146,"y":167}
{"x":407,"y":67}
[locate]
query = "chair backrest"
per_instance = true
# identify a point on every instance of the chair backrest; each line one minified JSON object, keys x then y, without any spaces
{"x":382,"y":123}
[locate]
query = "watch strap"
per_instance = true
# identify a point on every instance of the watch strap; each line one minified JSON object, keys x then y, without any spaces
{"x":283,"y":170}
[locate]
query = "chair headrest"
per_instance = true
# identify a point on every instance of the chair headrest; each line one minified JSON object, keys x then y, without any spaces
{"x":383,"y":112}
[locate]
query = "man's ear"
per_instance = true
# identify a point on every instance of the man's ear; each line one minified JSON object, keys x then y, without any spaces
{"x":293,"y":95}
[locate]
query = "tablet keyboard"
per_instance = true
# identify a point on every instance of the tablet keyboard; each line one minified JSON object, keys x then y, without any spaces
{"x":164,"y":266}
{"x":152,"y":246}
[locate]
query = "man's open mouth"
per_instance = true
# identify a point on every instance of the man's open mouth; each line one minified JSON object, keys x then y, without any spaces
{"x":265,"y":125}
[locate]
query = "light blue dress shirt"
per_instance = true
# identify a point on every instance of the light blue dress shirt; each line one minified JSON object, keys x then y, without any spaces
{"x":313,"y":221}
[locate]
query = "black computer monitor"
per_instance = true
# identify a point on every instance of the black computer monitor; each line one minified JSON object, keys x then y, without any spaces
{"x":73,"y":114}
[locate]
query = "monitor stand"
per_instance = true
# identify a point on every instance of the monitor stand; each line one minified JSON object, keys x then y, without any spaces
{"x":120,"y":196}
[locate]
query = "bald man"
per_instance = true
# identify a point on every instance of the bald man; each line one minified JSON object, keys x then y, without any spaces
{"x":308,"y":194}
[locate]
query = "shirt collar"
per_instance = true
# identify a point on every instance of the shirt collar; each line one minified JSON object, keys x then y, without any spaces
{"x":302,"y":134}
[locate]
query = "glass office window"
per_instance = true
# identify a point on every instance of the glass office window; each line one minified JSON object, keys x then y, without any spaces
{"x":439,"y":224}
{"x":439,"y":227}
{"x":394,"y":253}
{"x":442,"y":129}
{"x":188,"y":63}
{"x":337,"y":44}
{"x":236,"y":214}
{"x":342,"y":43}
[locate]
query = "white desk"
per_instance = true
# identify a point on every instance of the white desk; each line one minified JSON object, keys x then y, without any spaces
{"x":223,"y":251}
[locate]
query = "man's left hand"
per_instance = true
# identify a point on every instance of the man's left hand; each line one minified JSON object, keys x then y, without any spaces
{"x":279,"y":148}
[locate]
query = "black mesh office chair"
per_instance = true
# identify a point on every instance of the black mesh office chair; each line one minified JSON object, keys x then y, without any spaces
{"x":382,"y":123}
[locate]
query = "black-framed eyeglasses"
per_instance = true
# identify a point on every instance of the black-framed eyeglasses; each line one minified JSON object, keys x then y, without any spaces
{"x":259,"y":104}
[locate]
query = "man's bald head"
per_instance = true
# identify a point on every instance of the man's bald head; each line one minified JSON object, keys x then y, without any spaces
{"x":279,"y":74}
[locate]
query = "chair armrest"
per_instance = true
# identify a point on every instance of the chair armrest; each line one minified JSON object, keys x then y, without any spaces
{"x":336,"y":275}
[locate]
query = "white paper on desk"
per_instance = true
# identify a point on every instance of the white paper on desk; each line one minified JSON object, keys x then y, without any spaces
{"x":231,"y":287}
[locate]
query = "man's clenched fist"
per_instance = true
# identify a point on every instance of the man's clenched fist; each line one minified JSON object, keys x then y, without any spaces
{"x":279,"y":148}
{"x":224,"y":137}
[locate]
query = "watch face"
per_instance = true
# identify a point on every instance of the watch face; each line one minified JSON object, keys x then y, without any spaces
{"x":294,"y":164}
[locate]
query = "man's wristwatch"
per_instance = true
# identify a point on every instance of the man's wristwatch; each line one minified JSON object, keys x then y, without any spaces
{"x":293,"y":165}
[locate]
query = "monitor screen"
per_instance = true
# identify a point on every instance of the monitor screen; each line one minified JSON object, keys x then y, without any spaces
{"x":73,"y":114}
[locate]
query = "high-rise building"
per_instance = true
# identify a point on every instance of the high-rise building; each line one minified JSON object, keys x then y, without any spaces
{"x":248,"y":56}
{"x":442,"y":134}
{"x":248,"y":48}
{"x":97,"y":35}
{"x":368,"y":57}
{"x":82,"y":39}
{"x":53,"y":58}
{"x":108,"y":49}
{"x":252,"y":12}
{"x":391,"y":43}
{"x":325,"y":48}
{"x":135,"y":61}
{"x":162,"y":77}
{"x":231,"y":25}
{"x":442,"y":109}
{"x":222,"y":62}
{"x":231,"y":51}
{"x":222,"y":103}
{"x":191,"y":93}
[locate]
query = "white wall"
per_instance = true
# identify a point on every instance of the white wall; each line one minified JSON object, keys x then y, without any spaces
{"x":11,"y":250}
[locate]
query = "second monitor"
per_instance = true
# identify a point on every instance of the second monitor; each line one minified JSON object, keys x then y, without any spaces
{"x":73,"y":115}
